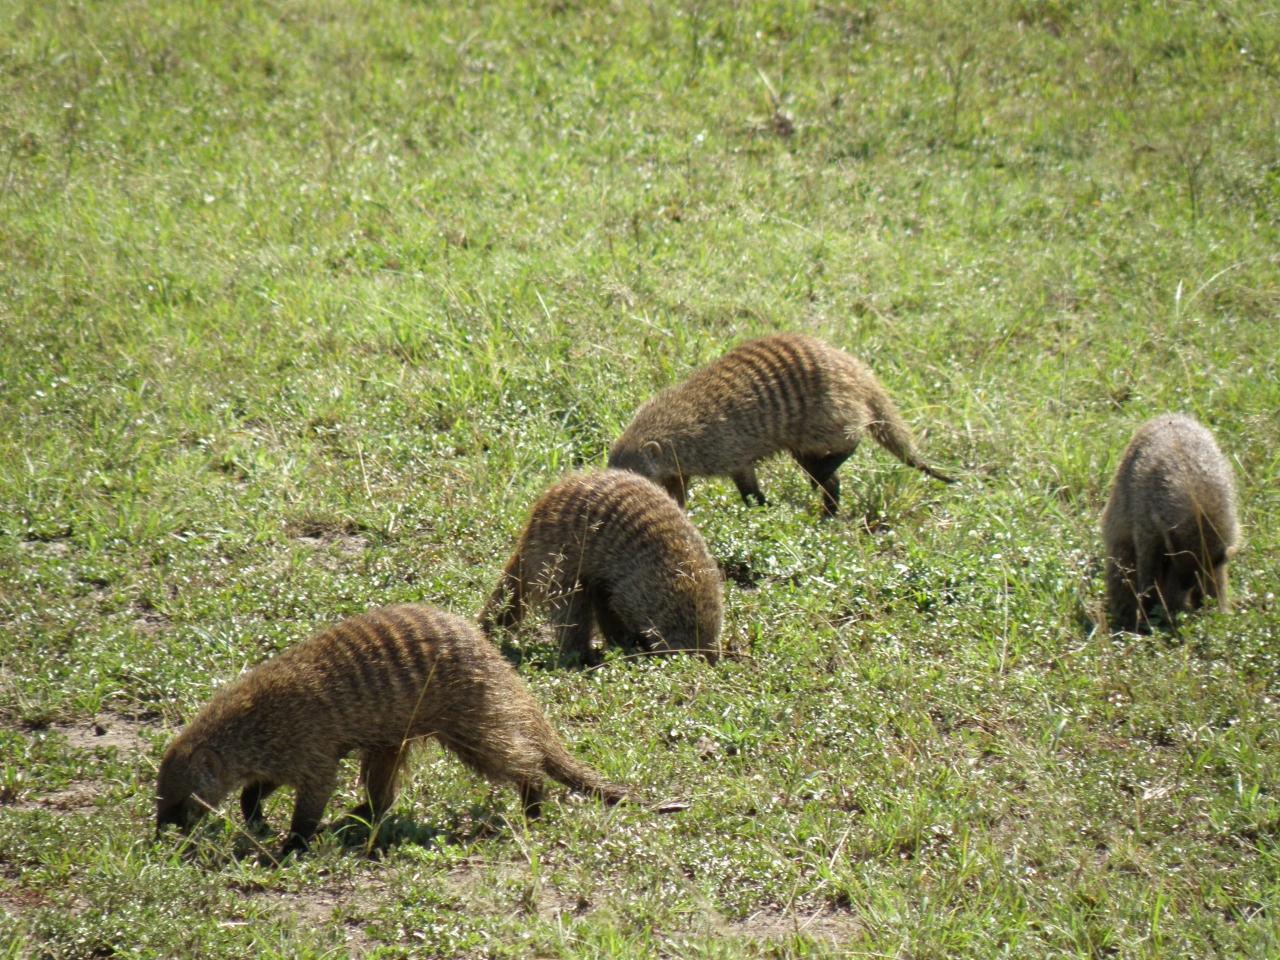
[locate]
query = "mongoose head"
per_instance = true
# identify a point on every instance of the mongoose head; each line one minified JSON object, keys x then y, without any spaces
{"x":700,"y":637}
{"x":190,"y":782}
{"x":660,"y":647}
{"x":647,"y":459}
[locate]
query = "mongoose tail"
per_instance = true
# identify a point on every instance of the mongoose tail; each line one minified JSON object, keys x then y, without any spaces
{"x":580,"y":777}
{"x":891,"y":432}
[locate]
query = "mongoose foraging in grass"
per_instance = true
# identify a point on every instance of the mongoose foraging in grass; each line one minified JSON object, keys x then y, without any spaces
{"x":374,"y":683}
{"x":783,"y":392}
{"x":612,"y":547}
{"x":1170,"y":525}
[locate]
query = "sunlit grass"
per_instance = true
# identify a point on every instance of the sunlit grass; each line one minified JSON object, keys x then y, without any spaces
{"x":302,"y":306}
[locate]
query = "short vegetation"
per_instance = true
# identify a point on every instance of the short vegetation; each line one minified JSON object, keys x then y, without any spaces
{"x":303,"y":305}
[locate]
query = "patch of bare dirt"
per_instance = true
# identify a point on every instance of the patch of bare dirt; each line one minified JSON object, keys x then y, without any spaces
{"x":346,"y":905}
{"x":149,"y":619}
{"x":826,"y":926}
{"x":107,"y":730}
{"x":322,"y":529}
{"x":336,"y":542}
{"x":823,"y":926}
{"x":472,"y":884}
{"x":17,"y":899}
{"x":348,"y":544}
{"x":48,"y":547}
{"x":77,"y":798}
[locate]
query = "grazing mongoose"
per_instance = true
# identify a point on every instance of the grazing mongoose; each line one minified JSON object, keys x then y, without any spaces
{"x":784,"y":392}
{"x":1170,"y":525}
{"x":612,"y":547}
{"x":374,"y":683}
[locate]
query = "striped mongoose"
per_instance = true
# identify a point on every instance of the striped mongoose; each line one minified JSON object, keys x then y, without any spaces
{"x":780,"y":393}
{"x":1170,"y":525}
{"x":610,"y":546}
{"x":374,"y":683}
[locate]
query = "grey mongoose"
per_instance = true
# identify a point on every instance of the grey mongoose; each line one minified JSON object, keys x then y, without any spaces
{"x":374,"y":683}
{"x":1169,"y":526}
{"x":785,"y":392}
{"x":610,"y":547}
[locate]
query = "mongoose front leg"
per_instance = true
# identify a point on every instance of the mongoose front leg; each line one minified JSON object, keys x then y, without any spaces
{"x":612,"y":627}
{"x":1182,"y":584}
{"x":749,"y":486}
{"x":307,"y":811}
{"x":379,"y":776}
{"x":1122,"y":595}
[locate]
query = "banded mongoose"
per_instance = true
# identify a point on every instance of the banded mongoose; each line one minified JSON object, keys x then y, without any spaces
{"x":374,"y":683}
{"x":785,"y":392}
{"x":611,"y":546}
{"x":1170,"y":525}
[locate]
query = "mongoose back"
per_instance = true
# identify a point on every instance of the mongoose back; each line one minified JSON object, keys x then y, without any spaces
{"x":1170,"y":525}
{"x":374,"y":683}
{"x":610,"y":545}
{"x":780,"y":393}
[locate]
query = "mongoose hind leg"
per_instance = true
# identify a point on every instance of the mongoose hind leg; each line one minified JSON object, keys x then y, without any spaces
{"x":1216,"y":585}
{"x":749,"y":486}
{"x":379,"y":777}
{"x":502,"y":765}
{"x":251,"y":800}
{"x":530,"y":799}
{"x":821,"y":470}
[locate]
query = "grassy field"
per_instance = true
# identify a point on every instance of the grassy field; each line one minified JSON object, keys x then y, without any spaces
{"x":303,"y":304}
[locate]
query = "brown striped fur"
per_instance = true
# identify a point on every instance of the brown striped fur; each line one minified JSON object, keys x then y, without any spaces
{"x":780,"y":393}
{"x":1170,"y":524}
{"x":375,"y":683}
{"x":612,"y":547}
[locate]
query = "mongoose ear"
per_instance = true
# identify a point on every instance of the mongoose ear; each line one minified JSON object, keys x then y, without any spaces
{"x":651,"y":449}
{"x":206,"y":770}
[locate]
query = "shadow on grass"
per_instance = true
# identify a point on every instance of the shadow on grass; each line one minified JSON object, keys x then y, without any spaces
{"x":355,"y":834}
{"x":351,"y":834}
{"x":540,"y":652}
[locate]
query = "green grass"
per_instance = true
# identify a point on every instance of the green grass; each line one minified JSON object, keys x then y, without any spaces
{"x":302,"y":305}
